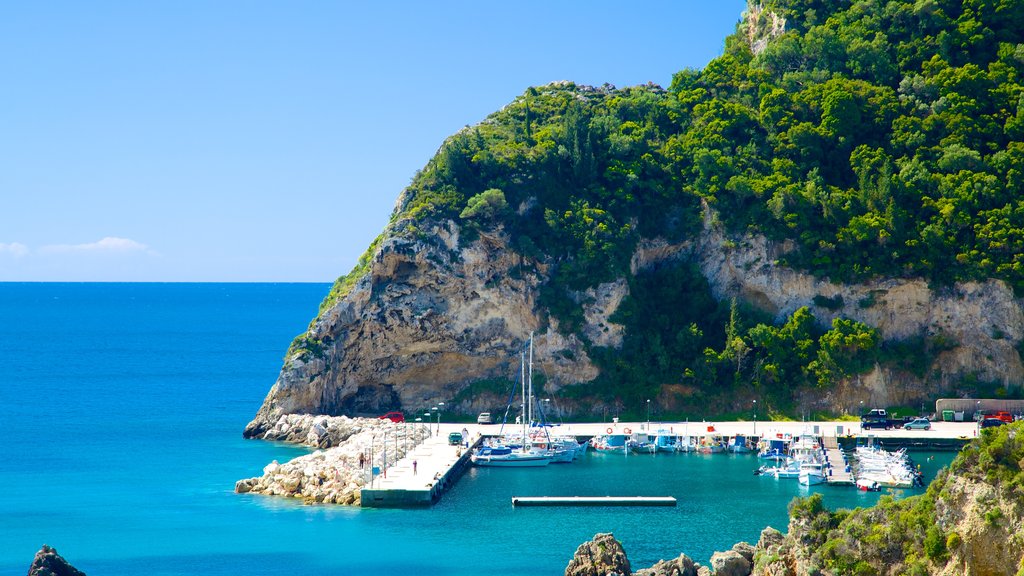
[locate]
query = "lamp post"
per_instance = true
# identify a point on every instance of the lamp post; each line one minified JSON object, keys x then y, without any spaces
{"x":426,"y":416}
{"x":755,"y":417}
{"x":440,"y":406}
{"x":648,"y":414}
{"x":419,"y":430}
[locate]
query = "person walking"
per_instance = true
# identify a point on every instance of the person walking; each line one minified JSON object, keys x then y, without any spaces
{"x":413,"y":467}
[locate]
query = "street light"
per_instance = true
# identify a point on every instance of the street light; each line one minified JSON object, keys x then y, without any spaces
{"x":427,"y":416}
{"x":440,"y":406}
{"x":755,"y":417}
{"x":648,"y":414}
{"x":419,"y":430}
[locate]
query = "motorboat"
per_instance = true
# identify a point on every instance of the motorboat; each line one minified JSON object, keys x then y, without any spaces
{"x":812,"y":473}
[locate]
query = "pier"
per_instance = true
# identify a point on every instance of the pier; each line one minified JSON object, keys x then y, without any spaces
{"x":422,"y":476}
{"x":838,"y":474}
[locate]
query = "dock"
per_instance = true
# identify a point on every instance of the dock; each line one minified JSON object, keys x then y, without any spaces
{"x":838,"y":474}
{"x":421,"y":477}
{"x":593,"y":501}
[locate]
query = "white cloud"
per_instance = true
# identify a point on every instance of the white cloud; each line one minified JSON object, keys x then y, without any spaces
{"x":110,"y":244}
{"x":15,"y":249}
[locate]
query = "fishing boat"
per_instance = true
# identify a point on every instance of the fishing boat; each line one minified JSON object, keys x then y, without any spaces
{"x":811,"y":473}
{"x":738,"y":444}
{"x":776,"y":449}
{"x":640,"y":444}
{"x":611,"y":442}
{"x":665,"y":441}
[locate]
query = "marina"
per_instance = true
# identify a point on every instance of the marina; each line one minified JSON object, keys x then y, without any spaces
{"x":813,"y":453}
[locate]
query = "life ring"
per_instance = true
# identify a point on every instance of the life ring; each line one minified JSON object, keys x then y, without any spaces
{"x":627,"y":430}
{"x":609,"y":430}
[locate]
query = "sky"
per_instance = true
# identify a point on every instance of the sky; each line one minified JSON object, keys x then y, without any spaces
{"x":259,"y":141}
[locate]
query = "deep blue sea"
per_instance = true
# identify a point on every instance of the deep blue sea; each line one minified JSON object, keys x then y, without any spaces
{"x":122,"y":407}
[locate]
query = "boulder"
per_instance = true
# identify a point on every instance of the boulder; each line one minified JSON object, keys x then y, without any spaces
{"x":730,"y":563}
{"x":745,"y":549}
{"x":602,"y":556}
{"x":681,"y":566}
{"x":769,"y":537}
{"x":48,"y":563}
{"x":703,"y":570}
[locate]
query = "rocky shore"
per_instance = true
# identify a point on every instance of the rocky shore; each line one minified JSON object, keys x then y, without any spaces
{"x":332,"y":474}
{"x":604,"y":556}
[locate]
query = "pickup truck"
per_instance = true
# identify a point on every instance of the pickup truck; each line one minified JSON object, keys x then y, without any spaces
{"x":878,"y":418}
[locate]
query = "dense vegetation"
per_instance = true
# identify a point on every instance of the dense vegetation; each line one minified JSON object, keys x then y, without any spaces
{"x":883,"y":137}
{"x":904,"y":536}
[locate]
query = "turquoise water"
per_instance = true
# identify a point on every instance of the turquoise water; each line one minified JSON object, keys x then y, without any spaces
{"x":123,"y":404}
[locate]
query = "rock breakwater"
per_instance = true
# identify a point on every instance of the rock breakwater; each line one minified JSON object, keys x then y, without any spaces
{"x":335,"y":473}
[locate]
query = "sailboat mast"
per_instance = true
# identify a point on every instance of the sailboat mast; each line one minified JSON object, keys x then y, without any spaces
{"x":522,"y":375}
{"x":531,"y":376}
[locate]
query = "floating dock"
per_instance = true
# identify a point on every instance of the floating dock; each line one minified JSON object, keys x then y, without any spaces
{"x":593,"y":501}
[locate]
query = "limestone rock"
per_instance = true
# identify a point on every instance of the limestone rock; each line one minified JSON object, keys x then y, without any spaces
{"x":703,"y":571}
{"x":48,"y":563}
{"x":769,"y":537}
{"x":730,"y":563}
{"x":681,"y":566}
{"x":602,"y":556}
{"x":744,"y":549}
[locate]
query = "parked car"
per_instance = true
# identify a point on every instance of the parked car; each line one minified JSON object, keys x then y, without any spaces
{"x":1004,"y":416}
{"x":396,"y":417}
{"x":990,"y":422}
{"x":454,"y":439}
{"x":484,"y":418}
{"x":918,"y":424}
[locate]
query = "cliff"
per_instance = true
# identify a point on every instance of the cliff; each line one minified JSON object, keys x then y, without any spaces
{"x":850,"y":180}
{"x":430,"y":318}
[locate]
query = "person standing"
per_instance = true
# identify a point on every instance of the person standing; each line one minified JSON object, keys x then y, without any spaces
{"x":413,"y":467}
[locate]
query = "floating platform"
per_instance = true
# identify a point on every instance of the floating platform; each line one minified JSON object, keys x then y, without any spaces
{"x":593,"y":501}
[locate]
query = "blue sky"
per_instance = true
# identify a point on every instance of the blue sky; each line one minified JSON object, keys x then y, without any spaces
{"x":268,"y":141}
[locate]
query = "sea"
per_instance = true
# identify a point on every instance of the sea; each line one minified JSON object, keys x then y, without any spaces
{"x":122,"y":408}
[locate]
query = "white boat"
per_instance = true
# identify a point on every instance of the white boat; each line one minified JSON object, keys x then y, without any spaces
{"x":812,"y":473}
{"x":504,"y":456}
{"x":788,"y":469}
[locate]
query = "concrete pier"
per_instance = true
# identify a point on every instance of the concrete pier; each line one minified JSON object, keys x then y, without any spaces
{"x":422,"y":477}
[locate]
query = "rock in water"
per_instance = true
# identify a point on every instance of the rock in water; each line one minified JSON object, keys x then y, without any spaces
{"x":602,"y":556}
{"x":48,"y":563}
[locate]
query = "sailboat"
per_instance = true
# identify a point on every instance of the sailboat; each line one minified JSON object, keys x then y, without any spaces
{"x":525,"y":454}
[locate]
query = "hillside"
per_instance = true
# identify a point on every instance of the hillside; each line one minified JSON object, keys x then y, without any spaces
{"x":829,"y":212}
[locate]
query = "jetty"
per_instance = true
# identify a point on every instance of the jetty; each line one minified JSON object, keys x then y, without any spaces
{"x":593,"y":501}
{"x":839,"y":474}
{"x":422,"y":476}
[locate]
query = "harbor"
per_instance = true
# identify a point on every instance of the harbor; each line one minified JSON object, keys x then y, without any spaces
{"x":423,"y":476}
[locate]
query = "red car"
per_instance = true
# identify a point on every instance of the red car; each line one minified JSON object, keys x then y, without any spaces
{"x":397,"y":417}
{"x":1004,"y":416}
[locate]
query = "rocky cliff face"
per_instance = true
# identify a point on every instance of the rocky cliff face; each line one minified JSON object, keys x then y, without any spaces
{"x":427,"y":320}
{"x":433,"y":316}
